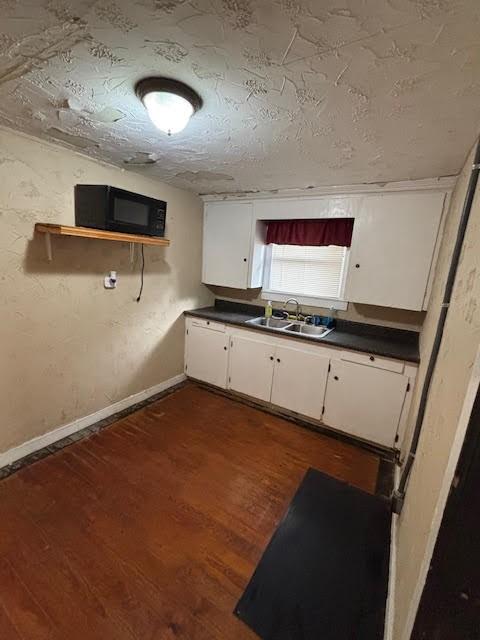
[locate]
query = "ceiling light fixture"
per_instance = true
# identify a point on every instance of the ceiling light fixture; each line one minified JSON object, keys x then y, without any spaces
{"x":170,"y":103}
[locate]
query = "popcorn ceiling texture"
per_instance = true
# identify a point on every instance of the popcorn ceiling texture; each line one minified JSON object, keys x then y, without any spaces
{"x":297,"y":93}
{"x":68,"y":347}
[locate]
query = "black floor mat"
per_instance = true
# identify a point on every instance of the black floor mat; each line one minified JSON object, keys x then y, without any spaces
{"x":324,"y":573}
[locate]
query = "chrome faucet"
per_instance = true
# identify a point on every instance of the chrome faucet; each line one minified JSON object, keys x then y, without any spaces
{"x":297,"y":314}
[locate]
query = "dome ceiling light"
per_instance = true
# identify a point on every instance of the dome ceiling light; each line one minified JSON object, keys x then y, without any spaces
{"x":170,"y":103}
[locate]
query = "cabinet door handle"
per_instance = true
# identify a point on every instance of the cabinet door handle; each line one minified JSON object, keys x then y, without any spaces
{"x":208,"y":321}
{"x":357,"y":266}
{"x":372,"y":358}
{"x":244,"y":259}
{"x":224,"y":348}
{"x":335,"y":377}
{"x":278,"y":359}
{"x":271,"y":358}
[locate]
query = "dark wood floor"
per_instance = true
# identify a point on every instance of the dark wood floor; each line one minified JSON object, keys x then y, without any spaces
{"x":151,"y":529}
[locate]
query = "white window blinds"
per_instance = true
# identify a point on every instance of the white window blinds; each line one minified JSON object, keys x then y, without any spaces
{"x":308,"y":271}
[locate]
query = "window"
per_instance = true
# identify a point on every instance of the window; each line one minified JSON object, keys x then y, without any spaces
{"x":314,"y":275}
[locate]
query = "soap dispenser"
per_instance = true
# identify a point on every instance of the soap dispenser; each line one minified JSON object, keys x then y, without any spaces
{"x":268,"y":309}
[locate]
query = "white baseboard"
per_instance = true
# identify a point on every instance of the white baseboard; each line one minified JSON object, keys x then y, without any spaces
{"x":392,"y":572}
{"x":25,"y":449}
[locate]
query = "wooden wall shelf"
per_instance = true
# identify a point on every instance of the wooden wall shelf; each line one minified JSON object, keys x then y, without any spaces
{"x":97,"y":234}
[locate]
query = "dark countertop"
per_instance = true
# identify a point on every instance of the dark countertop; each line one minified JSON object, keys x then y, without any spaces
{"x":368,"y":338}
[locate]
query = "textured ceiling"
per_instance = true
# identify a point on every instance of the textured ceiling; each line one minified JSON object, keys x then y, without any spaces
{"x":296,"y":93}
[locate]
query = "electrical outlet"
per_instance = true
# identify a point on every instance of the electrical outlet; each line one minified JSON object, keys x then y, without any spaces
{"x":110,"y":281}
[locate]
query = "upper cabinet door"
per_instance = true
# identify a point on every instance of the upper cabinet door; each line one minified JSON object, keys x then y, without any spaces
{"x":227,"y":244}
{"x":392,"y":249}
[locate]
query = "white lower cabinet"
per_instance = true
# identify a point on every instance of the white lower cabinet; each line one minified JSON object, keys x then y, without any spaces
{"x":365,"y":401}
{"x":251,"y":367}
{"x":361,"y":394}
{"x":206,"y":355}
{"x":299,"y":381}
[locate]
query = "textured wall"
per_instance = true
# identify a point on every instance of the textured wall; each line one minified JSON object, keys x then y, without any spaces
{"x":452,"y":374}
{"x":296,"y":92}
{"x":68,"y":346}
{"x":399,"y":318}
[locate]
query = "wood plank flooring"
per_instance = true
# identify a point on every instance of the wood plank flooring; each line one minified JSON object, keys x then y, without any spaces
{"x":151,"y":528}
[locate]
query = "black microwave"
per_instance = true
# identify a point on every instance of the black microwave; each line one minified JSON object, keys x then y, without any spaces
{"x":102,"y":207}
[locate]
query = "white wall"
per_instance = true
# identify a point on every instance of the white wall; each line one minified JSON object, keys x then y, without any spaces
{"x":68,"y":346}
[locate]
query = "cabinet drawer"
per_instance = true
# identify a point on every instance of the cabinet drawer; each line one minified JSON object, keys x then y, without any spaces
{"x":207,"y":324}
{"x":372,"y":360}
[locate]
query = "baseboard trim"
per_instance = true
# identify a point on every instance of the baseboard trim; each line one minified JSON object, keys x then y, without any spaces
{"x":49,"y":438}
{"x":392,"y":573}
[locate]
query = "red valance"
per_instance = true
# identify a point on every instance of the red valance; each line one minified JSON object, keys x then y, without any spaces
{"x":319,"y":232}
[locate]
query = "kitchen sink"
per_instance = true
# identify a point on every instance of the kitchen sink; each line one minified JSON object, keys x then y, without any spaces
{"x":270,"y":323}
{"x":299,"y":329}
{"x":308,"y":329}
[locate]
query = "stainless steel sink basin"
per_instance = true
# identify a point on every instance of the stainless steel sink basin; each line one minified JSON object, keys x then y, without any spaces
{"x":308,"y":329}
{"x":299,"y":329}
{"x":271,"y":323}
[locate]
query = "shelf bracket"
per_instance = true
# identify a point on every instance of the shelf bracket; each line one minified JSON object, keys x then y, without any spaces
{"x":48,"y":246}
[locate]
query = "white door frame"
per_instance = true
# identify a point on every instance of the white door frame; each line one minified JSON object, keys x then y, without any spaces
{"x":463,"y":422}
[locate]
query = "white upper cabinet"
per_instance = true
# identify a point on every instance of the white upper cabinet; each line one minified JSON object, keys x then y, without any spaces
{"x":391,"y":257}
{"x":392,"y":249}
{"x":232,"y":254}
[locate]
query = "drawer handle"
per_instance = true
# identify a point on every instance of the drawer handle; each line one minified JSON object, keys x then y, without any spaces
{"x":372,"y":358}
{"x":335,"y":377}
{"x":208,"y":321}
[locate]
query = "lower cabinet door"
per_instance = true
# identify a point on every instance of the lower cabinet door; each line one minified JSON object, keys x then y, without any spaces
{"x":251,"y":367}
{"x":206,"y":355}
{"x":364,"y":401}
{"x":299,"y":381}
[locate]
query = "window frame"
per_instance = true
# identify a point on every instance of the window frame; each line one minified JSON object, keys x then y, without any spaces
{"x":339,"y":303}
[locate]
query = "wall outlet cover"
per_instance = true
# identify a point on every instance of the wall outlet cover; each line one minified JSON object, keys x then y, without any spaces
{"x":110,"y":281}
